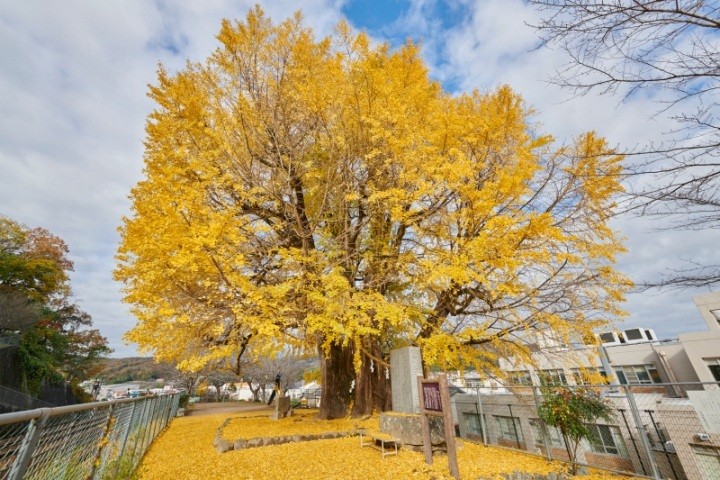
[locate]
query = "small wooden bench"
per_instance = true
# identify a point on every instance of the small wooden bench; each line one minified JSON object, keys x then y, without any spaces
{"x":386,"y":444}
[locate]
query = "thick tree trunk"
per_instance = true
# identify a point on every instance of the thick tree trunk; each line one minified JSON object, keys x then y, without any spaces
{"x":372,"y":383}
{"x":337,"y":376}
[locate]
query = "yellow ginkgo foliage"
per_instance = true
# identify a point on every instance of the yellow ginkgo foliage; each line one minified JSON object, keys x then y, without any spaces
{"x":327,"y":194}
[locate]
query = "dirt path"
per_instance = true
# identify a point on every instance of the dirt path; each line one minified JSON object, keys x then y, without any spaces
{"x":225,"y":407}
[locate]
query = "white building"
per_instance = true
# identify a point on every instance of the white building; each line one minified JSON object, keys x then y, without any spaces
{"x":649,"y":384}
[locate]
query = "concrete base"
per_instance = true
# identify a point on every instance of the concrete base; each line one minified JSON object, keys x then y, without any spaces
{"x":280,"y":415}
{"x":282,"y":408}
{"x":408,"y":429}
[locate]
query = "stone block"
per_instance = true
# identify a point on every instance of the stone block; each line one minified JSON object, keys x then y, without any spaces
{"x":223,"y":446}
{"x":283,"y":405}
{"x":408,"y":429}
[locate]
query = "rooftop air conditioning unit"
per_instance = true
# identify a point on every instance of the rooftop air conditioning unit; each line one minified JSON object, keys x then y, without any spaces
{"x":611,"y":338}
{"x":639,"y":335}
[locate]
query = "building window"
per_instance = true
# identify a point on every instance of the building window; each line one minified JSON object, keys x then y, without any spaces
{"x":638,"y":375}
{"x":607,"y":439}
{"x":716,"y":314}
{"x":556,"y":439}
{"x":519,"y":377}
{"x":473,"y":422}
{"x":714,"y":365}
{"x":553,"y":377}
{"x":473,"y":382}
{"x":509,"y":428}
{"x":708,"y":459}
{"x":589,"y":376}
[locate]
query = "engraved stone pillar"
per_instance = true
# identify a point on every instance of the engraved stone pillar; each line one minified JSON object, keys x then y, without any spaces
{"x":405,"y":366}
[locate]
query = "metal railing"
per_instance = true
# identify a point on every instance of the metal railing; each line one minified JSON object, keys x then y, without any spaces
{"x":653,"y":430}
{"x":101,"y":440}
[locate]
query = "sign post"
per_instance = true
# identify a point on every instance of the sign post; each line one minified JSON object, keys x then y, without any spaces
{"x":435,"y":402}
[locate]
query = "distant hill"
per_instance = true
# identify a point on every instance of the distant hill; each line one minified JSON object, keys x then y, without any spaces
{"x":133,"y":369}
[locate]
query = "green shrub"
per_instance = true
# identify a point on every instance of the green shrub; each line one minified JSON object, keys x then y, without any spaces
{"x":570,"y":410}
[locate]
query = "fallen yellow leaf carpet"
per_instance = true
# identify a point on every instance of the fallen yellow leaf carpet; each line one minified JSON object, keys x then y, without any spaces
{"x":184,"y":451}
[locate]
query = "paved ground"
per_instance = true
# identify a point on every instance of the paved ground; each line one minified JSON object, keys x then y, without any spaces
{"x":225,"y":407}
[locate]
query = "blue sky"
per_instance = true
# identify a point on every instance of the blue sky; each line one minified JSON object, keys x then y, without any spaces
{"x":73,"y":104}
{"x":374,"y":16}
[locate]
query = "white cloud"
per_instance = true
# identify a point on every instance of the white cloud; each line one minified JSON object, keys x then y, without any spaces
{"x":74,"y":79}
{"x":494,"y":46}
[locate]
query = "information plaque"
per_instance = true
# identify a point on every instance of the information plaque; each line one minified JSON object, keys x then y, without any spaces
{"x":431,"y":396}
{"x":435,"y":402}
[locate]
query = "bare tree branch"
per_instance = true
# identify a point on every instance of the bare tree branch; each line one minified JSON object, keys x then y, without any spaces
{"x":669,"y":49}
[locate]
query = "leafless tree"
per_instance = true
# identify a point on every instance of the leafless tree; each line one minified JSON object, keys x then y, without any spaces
{"x":261,"y":374}
{"x":190,"y":381}
{"x":671,"y":50}
{"x":217,"y":378}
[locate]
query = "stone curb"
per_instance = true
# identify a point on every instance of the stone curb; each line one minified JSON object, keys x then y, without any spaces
{"x":241,"y":444}
{"x":532,"y":476}
{"x":223,"y":445}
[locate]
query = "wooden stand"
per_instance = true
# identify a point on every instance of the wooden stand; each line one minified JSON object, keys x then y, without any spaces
{"x":435,"y":401}
{"x":385,"y":445}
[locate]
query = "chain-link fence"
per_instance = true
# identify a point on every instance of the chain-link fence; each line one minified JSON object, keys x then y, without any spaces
{"x":11,"y":399}
{"x":669,"y":431}
{"x":103,"y":440}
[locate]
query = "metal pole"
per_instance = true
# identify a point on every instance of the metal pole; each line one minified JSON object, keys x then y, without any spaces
{"x":125,"y":438}
{"x":103,"y":440}
{"x":174,"y":405}
{"x":147,"y":417}
{"x":169,"y":412}
{"x":512,"y":420}
{"x":164,"y":413}
{"x":155,"y":422}
{"x":139,"y":434}
{"x":609,"y":372}
{"x":28,"y":446}
{"x":641,"y":431}
{"x":632,"y":439}
{"x":483,"y":424}
{"x":657,"y":431}
{"x":543,"y":427}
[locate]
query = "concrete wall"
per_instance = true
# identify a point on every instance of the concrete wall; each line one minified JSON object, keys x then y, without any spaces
{"x":682,"y":424}
{"x":10,"y":367}
{"x":699,"y":346}
{"x":57,"y":394}
{"x":706,"y":304}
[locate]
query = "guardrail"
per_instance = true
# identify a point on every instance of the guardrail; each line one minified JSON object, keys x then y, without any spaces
{"x":99,"y":441}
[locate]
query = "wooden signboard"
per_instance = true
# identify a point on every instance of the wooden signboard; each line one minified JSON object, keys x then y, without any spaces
{"x":435,"y":402}
{"x":432,"y":401}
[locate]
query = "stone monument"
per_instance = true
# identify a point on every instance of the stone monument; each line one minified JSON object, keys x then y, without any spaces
{"x":282,"y":408}
{"x":405,"y":366}
{"x":404,"y":422}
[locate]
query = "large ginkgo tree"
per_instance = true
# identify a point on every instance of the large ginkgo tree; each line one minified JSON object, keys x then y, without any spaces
{"x":328,"y":195}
